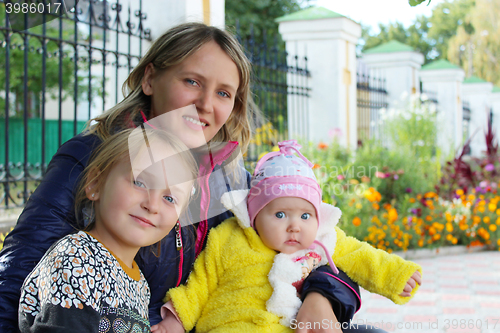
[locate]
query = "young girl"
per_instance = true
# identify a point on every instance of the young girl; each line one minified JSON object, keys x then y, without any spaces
{"x":89,"y":281}
{"x":250,"y":274}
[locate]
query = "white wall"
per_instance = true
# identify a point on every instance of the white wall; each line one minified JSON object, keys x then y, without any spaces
{"x":447,"y":84}
{"x":478,"y":95}
{"x":330,"y":48}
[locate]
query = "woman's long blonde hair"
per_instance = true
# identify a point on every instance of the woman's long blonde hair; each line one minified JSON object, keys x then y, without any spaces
{"x":169,"y":50}
{"x":116,"y":149}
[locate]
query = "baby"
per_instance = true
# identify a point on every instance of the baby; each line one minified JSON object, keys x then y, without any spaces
{"x":249,"y":276}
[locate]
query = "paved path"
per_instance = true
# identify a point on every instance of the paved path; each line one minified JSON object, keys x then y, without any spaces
{"x":459,"y":293}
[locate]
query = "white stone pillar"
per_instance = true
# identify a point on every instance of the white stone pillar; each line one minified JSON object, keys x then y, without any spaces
{"x":495,"y":105}
{"x":445,"y":79}
{"x":328,"y":39}
{"x":399,"y":64}
{"x":478,"y":93}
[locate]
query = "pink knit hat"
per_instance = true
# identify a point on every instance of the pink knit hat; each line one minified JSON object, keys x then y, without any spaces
{"x":282,"y":174}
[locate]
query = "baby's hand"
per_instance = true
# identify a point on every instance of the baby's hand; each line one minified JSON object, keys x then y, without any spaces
{"x":412,"y":283}
{"x":168,"y":325}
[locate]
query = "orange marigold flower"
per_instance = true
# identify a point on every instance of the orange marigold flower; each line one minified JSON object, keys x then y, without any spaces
{"x":430,"y":195}
{"x":449,"y":227}
{"x":356,"y":221}
{"x":316,"y":166}
{"x":493,"y":227}
{"x":459,"y":191}
{"x":492,"y":206}
{"x":428,"y":218}
{"x":436,"y":237}
{"x":393,"y":214}
{"x":454,"y":240}
{"x":375,"y":206}
{"x":486,"y":219}
{"x":322,"y":146}
{"x":412,"y":200}
{"x":421,"y":242}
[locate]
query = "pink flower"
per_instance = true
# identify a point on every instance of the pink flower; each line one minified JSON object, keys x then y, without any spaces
{"x":340,"y":177}
{"x":489,"y":167}
{"x":396,"y":177}
{"x":335,"y":133}
{"x":379,"y":174}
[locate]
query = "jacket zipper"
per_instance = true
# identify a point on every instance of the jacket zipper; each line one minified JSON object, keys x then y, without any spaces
{"x":178,"y":245}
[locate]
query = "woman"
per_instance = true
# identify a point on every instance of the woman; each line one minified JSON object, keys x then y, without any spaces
{"x":190,"y":64}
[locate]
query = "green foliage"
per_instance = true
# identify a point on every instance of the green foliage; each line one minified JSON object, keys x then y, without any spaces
{"x":446,"y":18}
{"x":260,"y":14}
{"x":428,"y":35}
{"x":34,"y":72}
{"x":414,"y":36}
{"x":417,"y":2}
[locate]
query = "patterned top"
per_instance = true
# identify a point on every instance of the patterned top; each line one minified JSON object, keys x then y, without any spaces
{"x":80,"y":286}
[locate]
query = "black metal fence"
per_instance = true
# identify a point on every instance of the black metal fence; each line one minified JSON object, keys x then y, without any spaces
{"x":371,"y":98}
{"x":70,"y":67}
{"x":280,"y":88}
{"x":55,"y":76}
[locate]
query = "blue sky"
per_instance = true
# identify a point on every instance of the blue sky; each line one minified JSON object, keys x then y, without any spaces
{"x":372,"y":12}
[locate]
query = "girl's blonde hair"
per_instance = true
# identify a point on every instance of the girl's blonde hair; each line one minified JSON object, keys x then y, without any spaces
{"x":115,"y":149}
{"x":171,"y":49}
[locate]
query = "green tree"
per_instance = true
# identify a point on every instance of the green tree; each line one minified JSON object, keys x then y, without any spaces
{"x":445,"y":21}
{"x":414,"y":36}
{"x":260,"y":14}
{"x":35,"y":61}
{"x":477,"y":50}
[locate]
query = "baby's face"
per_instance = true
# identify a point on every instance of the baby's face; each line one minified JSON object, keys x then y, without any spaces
{"x":287,"y":224}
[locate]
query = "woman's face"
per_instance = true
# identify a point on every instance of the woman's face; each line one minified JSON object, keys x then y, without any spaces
{"x":208,"y":79}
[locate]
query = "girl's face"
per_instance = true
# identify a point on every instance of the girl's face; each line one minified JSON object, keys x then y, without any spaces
{"x":208,"y":79}
{"x":287,"y":224}
{"x":134,"y":213}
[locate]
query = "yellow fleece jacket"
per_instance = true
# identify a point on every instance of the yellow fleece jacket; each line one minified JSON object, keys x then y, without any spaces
{"x":228,"y":287}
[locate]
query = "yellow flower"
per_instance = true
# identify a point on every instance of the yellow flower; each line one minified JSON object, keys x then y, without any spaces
{"x":460,"y":191}
{"x":275,"y":148}
{"x":393,"y":214}
{"x":486,"y":219}
{"x":492,"y":207}
{"x":493,"y":227}
{"x":449,"y":227}
{"x":480,"y":209}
